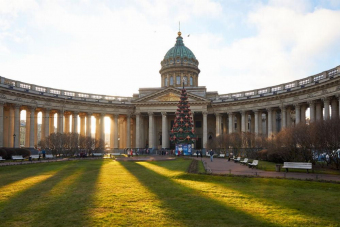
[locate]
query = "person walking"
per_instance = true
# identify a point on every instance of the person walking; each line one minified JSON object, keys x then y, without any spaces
{"x":211,"y":155}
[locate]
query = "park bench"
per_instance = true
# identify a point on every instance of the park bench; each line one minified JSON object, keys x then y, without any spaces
{"x":297,"y":165}
{"x":35,"y":156}
{"x":1,"y":159}
{"x":222,"y":155}
{"x":245,"y":161}
{"x":253,"y":164}
{"x":238,"y":159}
{"x":49,"y":156}
{"x":97,"y":154}
{"x":17,"y":157}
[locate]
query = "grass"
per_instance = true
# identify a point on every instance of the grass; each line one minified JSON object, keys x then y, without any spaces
{"x":110,"y":193}
{"x":318,"y":168}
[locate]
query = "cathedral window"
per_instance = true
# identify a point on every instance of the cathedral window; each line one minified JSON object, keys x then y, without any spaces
{"x":165,"y":81}
{"x":178,"y":80}
{"x":185,"y":80}
{"x":171,"y":81}
{"x":191,"y":81}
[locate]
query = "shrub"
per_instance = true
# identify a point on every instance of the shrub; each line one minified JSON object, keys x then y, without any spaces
{"x":9,"y":152}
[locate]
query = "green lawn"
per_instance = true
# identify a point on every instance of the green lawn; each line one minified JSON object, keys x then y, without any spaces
{"x":318,"y":168}
{"x":110,"y":193}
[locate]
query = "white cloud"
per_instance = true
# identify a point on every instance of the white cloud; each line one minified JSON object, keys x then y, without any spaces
{"x":287,"y":46}
{"x":91,"y":47}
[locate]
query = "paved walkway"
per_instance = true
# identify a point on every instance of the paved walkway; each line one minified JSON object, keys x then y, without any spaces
{"x":222,"y":166}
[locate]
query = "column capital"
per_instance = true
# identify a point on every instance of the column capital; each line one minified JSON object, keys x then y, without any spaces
{"x":217,"y":114}
{"x":150,"y":113}
{"x":137,"y":113}
{"x":269,"y":109}
{"x":311,"y":102}
{"x":75,"y":112}
{"x":297,"y":104}
{"x":128,"y":115}
{"x":164,"y":114}
{"x":2,"y":103}
{"x":230,"y":113}
{"x":17,"y":106}
{"x":326,"y":99}
{"x":32,"y":108}
{"x":205,"y":113}
{"x":89,"y":113}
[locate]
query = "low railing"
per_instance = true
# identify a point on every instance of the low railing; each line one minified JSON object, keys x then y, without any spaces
{"x":26,"y":87}
{"x":318,"y":78}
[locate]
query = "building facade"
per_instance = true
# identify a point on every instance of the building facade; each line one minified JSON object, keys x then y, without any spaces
{"x":145,"y":119}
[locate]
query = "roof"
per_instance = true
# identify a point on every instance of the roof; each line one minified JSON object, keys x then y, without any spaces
{"x":179,"y":50}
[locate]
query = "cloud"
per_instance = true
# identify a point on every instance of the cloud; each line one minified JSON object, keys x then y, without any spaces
{"x":288,"y":45}
{"x":95,"y":47}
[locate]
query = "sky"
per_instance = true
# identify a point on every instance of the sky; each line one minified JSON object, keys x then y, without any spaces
{"x":115,"y":47}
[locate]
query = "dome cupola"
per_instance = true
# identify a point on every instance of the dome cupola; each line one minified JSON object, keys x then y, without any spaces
{"x":179,"y":64}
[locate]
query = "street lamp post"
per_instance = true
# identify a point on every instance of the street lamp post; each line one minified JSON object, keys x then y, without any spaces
{"x":14,"y":140}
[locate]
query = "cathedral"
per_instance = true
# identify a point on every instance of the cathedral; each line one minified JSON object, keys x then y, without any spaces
{"x":146,"y":118}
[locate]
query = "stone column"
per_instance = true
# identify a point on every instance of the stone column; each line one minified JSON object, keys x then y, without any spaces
{"x":32,"y":124}
{"x":312,"y":111}
{"x":51,"y":123}
{"x":284,"y":117}
{"x":82,"y":125}
{"x":256,"y":113}
{"x":88,"y":125}
{"x":231,"y":122}
{"x":128,"y":131}
{"x":46,"y":119}
{"x":11,"y":126}
{"x":75,"y":122}
{"x":151,"y":129}
{"x":67,"y":123}
{"x":205,"y":129}
{"x":326,"y":107}
{"x":115,"y":133}
{"x":260,"y":122}
{"x":318,"y":110}
{"x":252,"y":123}
{"x":297,"y":114}
{"x":138,"y":130}
{"x":303,"y":114}
{"x":2,"y":124}
{"x":61,"y":121}
{"x":218,"y":124}
{"x":102,"y":127}
{"x":36,"y":128}
{"x":270,"y":122}
{"x":243,"y":121}
{"x":165,"y":136}
{"x":28,"y":125}
{"x":335,"y":109}
{"x":17,"y":125}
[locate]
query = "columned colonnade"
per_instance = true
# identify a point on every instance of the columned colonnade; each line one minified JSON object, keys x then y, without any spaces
{"x":10,"y":125}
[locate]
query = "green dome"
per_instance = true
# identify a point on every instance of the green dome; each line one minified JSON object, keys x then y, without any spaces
{"x":179,"y":50}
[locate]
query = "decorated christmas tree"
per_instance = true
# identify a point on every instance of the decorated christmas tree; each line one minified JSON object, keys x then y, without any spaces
{"x":182,"y":132}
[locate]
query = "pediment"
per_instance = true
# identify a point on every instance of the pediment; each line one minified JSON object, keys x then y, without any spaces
{"x":169,"y":95}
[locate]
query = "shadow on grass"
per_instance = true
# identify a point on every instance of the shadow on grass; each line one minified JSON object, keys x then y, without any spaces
{"x":51,"y":203}
{"x":10,"y":174}
{"x":187,"y":205}
{"x":318,"y":201}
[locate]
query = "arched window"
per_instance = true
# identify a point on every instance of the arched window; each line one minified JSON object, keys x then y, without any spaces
{"x":165,"y":81}
{"x":178,"y":80}
{"x":171,"y":81}
{"x":185,"y":79}
{"x":191,"y":81}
